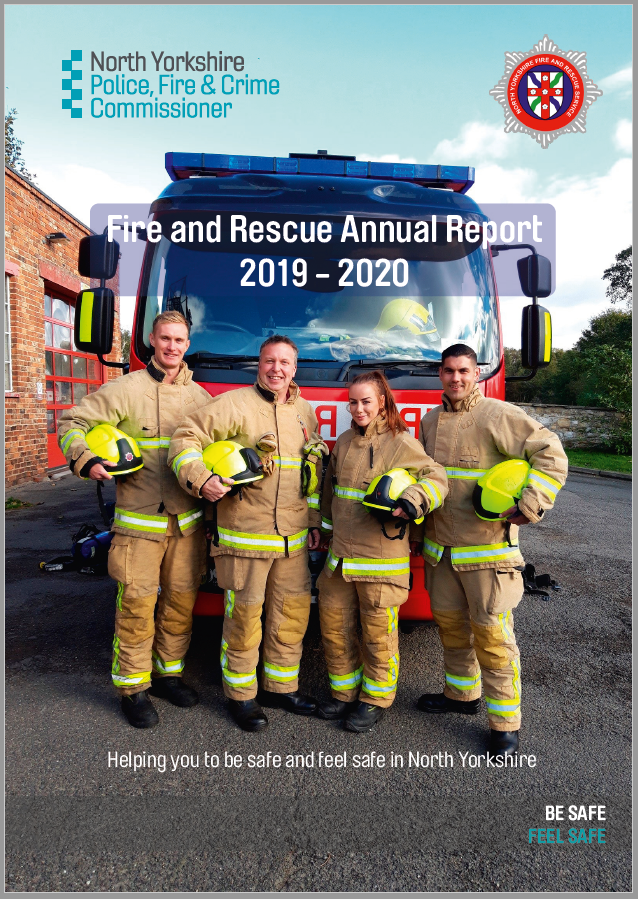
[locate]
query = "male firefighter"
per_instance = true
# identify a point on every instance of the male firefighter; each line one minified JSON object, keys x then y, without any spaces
{"x":474,"y":566}
{"x":158,"y":540}
{"x":260,"y":534}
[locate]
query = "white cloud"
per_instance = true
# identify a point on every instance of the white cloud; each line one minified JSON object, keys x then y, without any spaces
{"x":478,"y":142}
{"x":77,"y":188}
{"x":623,"y":136}
{"x":619,"y":81}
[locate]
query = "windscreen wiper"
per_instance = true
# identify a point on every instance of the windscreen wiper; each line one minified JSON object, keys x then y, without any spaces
{"x":379,"y":363}
{"x":216,"y":360}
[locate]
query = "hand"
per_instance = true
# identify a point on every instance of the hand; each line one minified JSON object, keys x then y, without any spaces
{"x":415,"y":548}
{"x":314,"y":538}
{"x":98,"y":471}
{"x":515,"y":516}
{"x":216,"y":487}
{"x":399,"y":513}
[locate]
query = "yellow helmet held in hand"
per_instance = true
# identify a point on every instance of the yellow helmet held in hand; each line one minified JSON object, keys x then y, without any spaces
{"x":384,"y":492}
{"x":407,"y":314}
{"x":113,"y":445}
{"x":499,"y":488}
{"x":232,"y":460}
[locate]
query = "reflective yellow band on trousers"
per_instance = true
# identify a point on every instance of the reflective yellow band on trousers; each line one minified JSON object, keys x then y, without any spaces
{"x":69,"y":437}
{"x":261,"y":542}
{"x":346,"y":681}
{"x":465,"y":474}
{"x":314,"y":501}
{"x":126,"y":680}
{"x":153,"y":442}
{"x":229,"y":603}
{"x":463,"y":683}
{"x":543,"y":481}
{"x":382,"y":688}
{"x":349,"y":493}
{"x":506,"y":708}
{"x":187,"y":455}
{"x":174,"y":667}
{"x":494,"y":552}
{"x":280,"y":674}
{"x":232,"y":678}
{"x":393,"y":618}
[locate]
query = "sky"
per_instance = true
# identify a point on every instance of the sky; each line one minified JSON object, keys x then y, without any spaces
{"x":405,"y":83}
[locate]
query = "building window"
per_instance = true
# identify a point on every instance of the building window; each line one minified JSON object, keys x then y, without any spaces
{"x":8,"y":375}
{"x":70,"y":373}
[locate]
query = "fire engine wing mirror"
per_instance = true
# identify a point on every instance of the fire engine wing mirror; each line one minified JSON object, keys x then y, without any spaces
{"x":94,"y":320}
{"x":98,"y":257}
{"x":536,"y":337}
{"x":535,"y":275}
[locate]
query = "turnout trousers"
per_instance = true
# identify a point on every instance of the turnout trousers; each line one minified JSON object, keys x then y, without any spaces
{"x":367,"y":671}
{"x":282,"y":587}
{"x":143,"y":643}
{"x":473,"y":610}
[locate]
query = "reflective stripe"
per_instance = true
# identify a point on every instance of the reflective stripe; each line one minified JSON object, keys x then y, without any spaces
{"x":376,"y":567}
{"x":186,"y":520}
{"x":495,"y":552}
{"x":138,"y":522}
{"x":153,"y":442}
{"x":229,"y":603}
{"x":349,"y":493}
{"x":314,"y":501}
{"x":382,"y":688}
{"x":543,"y":482}
{"x":115,"y":667}
{"x":289,"y":462}
{"x":506,"y":708}
{"x":332,"y":561}
{"x":393,"y":617}
{"x":465,"y":474}
{"x":231,"y":678}
{"x":278,"y":673}
{"x":261,"y":542}
{"x":187,"y":455}
{"x":433,"y":493}
{"x":346,"y":681}
{"x":463,"y":683}
{"x":120,"y":594}
{"x":516,"y":680}
{"x":161,"y":667}
{"x":504,"y":619}
{"x":69,"y":437}
{"x":432,"y":549}
{"x":129,"y":680}
{"x":326,"y":524}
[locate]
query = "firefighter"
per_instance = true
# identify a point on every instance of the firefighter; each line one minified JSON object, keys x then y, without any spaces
{"x":474,"y":565}
{"x":367,"y":572}
{"x":260,"y":534}
{"x":159,"y":539}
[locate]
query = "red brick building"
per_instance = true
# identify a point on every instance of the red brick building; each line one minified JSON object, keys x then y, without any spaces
{"x":44,"y":373}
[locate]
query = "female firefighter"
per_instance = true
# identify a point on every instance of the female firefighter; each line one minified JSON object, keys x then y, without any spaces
{"x":379,"y":478}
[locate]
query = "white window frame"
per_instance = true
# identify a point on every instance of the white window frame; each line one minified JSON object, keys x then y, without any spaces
{"x":7,"y":335}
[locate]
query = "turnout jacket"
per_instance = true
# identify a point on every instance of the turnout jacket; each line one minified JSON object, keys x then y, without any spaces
{"x":269,"y":518}
{"x":468,"y":438}
{"x":148,"y":410}
{"x":359,"y":456}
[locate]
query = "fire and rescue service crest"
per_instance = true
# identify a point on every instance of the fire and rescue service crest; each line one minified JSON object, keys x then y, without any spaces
{"x":545,"y":92}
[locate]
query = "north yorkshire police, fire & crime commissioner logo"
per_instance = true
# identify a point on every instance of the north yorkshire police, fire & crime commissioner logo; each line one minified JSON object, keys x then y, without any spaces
{"x":545,"y":92}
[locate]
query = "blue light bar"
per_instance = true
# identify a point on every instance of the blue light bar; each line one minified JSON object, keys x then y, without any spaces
{"x":186,"y":165}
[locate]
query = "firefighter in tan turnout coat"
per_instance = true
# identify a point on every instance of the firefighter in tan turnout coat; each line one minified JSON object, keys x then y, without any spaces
{"x":474,"y":567}
{"x":260,"y":538}
{"x":158,"y":538}
{"x":367,"y":574}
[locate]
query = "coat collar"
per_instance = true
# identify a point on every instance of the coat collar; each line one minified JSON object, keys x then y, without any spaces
{"x":377,"y":426}
{"x":158,"y":374}
{"x":462,"y":405}
{"x":270,"y":397}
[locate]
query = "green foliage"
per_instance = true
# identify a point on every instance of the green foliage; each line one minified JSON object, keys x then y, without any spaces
{"x":12,"y":503}
{"x":126,"y":345}
{"x":13,"y":147}
{"x":619,"y":275}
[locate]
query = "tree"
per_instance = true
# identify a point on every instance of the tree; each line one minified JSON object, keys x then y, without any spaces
{"x":126,"y":345}
{"x":13,"y":147}
{"x":619,"y":275}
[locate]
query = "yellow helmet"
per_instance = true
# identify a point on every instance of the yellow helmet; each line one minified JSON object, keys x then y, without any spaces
{"x":384,"y":492}
{"x":113,"y":445}
{"x":408,"y":314}
{"x":499,"y":488}
{"x":232,"y":460}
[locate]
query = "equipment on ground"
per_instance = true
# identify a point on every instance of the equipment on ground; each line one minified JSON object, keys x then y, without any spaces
{"x":499,"y":488}
{"x":89,"y":553}
{"x":113,"y":445}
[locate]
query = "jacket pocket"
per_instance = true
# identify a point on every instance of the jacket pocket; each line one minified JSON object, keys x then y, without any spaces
{"x":507,"y":591}
{"x":119,"y":564}
{"x":296,"y":610}
{"x":231,"y":572}
{"x":149,"y":427}
{"x":469,"y":456}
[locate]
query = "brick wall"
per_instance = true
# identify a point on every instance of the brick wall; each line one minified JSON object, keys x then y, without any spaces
{"x":33,"y":265}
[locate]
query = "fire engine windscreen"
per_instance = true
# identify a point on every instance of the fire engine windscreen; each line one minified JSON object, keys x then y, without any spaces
{"x":338,"y":300}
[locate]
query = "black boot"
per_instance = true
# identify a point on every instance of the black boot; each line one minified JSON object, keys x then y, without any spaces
{"x":335,"y":708}
{"x":503,"y":742}
{"x":290,"y":702}
{"x":175,"y":690}
{"x":439,"y":703}
{"x":364,"y":717}
{"x":139,"y":710}
{"x":248,"y":714}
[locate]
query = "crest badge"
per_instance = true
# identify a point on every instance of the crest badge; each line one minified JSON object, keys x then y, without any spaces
{"x":545,"y":92}
{"x":128,"y":457}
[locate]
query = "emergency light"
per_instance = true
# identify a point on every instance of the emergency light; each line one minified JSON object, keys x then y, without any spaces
{"x":188,"y":165}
